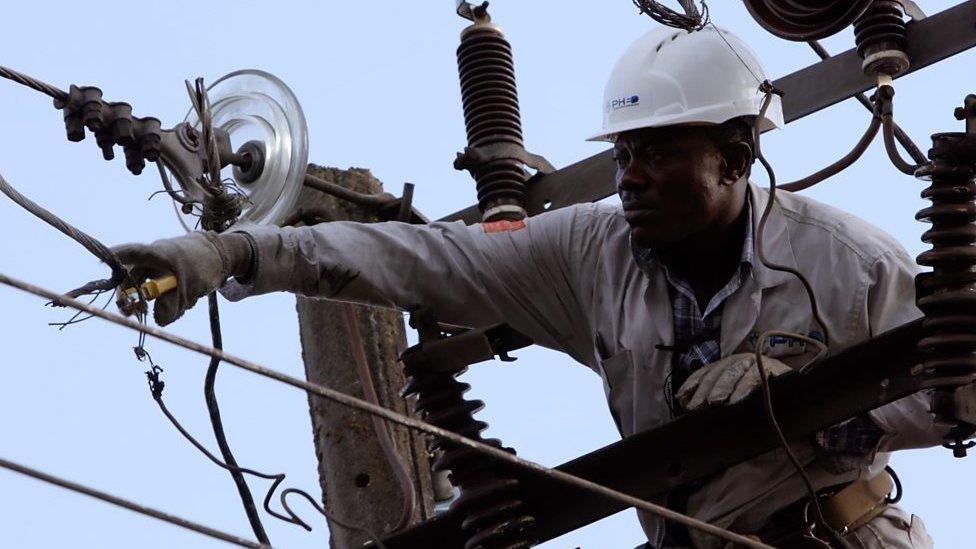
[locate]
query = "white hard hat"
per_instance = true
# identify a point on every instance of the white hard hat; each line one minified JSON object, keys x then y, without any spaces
{"x":671,"y":76}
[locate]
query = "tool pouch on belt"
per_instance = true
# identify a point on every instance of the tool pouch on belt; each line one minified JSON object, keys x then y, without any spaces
{"x":845,"y":510}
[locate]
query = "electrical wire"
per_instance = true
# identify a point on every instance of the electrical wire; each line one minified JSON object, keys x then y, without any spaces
{"x":836,"y":538}
{"x":168,"y":187}
{"x":33,"y":83}
{"x":213,"y":410}
{"x":96,"y":248}
{"x":156,"y":386}
{"x":888,"y":133}
{"x":219,"y":211}
{"x":126,"y":504}
{"x":77,"y":318}
{"x":764,"y":218}
{"x":841,"y":164}
{"x":392,"y":416}
{"x":900,"y":134}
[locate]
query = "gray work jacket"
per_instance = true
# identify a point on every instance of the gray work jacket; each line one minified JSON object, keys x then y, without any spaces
{"x":569,"y":281}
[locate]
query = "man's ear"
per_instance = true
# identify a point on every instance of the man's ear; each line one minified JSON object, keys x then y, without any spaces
{"x":737,"y":159}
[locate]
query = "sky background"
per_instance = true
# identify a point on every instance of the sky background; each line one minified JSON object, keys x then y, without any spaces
{"x":378,"y":84}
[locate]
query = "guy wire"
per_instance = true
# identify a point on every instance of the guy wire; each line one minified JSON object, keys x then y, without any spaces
{"x":126,"y":504}
{"x":390,"y":415}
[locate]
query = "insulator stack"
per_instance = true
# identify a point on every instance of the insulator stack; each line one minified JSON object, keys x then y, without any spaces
{"x":804,"y":20}
{"x":947,"y":295}
{"x":491,"y":115}
{"x":879,"y":34}
{"x":494,"y":515}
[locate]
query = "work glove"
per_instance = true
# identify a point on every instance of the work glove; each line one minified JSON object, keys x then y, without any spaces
{"x":200,"y":261}
{"x":726,"y":381}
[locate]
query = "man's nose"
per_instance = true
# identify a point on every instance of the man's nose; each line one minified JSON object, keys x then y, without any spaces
{"x":631,"y":178}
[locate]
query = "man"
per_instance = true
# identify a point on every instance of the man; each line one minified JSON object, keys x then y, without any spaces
{"x":664,"y":298}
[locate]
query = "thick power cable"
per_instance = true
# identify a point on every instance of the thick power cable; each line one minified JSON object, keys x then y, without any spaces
{"x":390,"y":415}
{"x":218,"y":212}
{"x":99,"y":250}
{"x":34,"y":83}
{"x":141,"y":509}
{"x":247,"y":500}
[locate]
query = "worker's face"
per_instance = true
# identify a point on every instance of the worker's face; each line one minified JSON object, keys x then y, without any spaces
{"x":674,"y":182}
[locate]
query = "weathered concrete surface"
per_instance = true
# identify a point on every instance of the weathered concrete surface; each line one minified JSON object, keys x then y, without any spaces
{"x":358,"y":484}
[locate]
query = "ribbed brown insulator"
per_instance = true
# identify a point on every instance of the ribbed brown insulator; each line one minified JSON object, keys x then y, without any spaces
{"x":495,"y":517}
{"x":491,"y":115}
{"x":947,"y":294}
{"x":881,"y":39}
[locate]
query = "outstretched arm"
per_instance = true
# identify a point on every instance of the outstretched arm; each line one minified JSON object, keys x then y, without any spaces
{"x":468,"y":275}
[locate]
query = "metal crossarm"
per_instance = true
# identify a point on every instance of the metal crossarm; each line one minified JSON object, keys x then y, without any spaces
{"x":695,"y":446}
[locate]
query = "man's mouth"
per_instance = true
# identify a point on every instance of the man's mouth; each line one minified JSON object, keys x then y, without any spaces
{"x":636,"y":215}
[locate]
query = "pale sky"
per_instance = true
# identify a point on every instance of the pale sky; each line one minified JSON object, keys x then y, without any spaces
{"x":378,"y":84}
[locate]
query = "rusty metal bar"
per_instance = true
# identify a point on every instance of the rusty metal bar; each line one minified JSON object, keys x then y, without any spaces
{"x":807,"y":91}
{"x":692,"y":447}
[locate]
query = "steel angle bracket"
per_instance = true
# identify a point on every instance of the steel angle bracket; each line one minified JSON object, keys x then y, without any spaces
{"x":693,"y":447}
{"x":806,"y":91}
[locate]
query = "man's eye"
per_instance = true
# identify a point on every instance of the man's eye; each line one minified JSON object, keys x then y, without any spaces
{"x":620,"y":158}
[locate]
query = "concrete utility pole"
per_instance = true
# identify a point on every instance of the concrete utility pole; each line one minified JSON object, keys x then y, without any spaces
{"x":359,"y":485}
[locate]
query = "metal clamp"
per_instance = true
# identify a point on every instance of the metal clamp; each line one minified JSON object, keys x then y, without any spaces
{"x":474,"y":158}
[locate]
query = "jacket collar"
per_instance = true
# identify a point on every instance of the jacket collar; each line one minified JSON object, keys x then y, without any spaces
{"x":775,"y":241}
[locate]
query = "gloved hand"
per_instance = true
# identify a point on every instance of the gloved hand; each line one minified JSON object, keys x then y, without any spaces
{"x":726,"y":381}
{"x":200,"y":261}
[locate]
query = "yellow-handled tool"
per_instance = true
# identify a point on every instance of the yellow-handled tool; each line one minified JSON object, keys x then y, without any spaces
{"x":129,"y":301}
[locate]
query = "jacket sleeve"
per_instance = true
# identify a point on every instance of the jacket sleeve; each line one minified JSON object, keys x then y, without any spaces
{"x":908,"y":422}
{"x":464,"y":274}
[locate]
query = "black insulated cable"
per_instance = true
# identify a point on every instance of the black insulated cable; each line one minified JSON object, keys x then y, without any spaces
{"x":900,"y":134}
{"x":213,"y":410}
{"x":842,"y":164}
{"x":834,"y":536}
{"x":888,"y":133}
{"x":156,"y":389}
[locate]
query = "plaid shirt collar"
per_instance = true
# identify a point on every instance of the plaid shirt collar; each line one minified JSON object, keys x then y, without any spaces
{"x":697,"y":339}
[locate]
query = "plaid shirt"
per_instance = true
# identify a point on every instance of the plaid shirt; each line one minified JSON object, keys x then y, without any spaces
{"x":697,"y":342}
